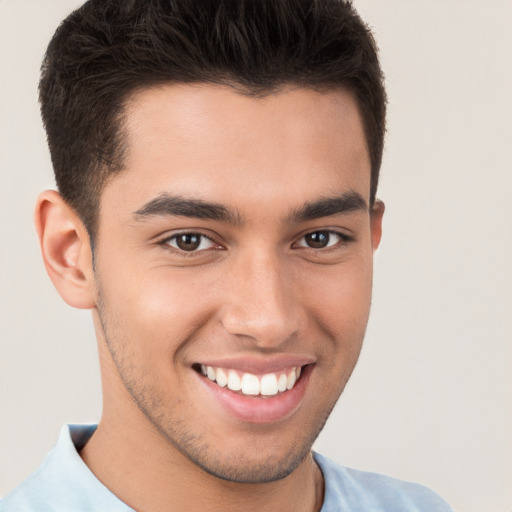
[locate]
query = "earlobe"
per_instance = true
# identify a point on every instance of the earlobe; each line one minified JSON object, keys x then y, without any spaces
{"x":376,"y":216}
{"x":66,"y":251}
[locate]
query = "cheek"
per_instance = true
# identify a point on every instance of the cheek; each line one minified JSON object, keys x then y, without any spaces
{"x":343,"y":292}
{"x":339,"y":304}
{"x":157,"y":309}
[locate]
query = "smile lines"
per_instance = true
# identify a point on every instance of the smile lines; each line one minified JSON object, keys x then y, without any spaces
{"x":249,"y":384}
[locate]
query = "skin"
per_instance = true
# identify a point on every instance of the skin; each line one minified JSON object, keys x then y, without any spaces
{"x":254,"y":289}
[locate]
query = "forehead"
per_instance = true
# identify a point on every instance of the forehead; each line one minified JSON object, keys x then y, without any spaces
{"x":213,"y":141}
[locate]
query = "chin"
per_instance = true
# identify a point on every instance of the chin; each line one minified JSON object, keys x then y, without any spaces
{"x":256,"y":460}
{"x":246,"y":470}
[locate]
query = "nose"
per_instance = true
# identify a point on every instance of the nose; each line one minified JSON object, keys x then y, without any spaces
{"x":260,"y":301}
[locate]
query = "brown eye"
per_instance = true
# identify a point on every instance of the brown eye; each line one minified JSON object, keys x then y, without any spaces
{"x":190,"y":242}
{"x":323,"y":239}
{"x":317,"y":239}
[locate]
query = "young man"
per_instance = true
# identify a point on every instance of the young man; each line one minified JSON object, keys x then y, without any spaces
{"x":217,"y":165}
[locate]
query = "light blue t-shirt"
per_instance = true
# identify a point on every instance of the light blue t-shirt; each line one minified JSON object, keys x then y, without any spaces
{"x":64,"y":483}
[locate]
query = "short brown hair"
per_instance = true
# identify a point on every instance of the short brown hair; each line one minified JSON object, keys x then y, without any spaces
{"x":107,"y":49}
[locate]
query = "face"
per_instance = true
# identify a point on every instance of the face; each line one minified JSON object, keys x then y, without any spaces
{"x":234,"y":269}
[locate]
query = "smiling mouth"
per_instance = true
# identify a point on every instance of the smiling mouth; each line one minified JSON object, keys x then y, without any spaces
{"x":249,"y":384}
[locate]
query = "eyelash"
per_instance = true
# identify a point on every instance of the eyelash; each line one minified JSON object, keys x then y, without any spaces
{"x":344,"y":239}
{"x":167,"y":243}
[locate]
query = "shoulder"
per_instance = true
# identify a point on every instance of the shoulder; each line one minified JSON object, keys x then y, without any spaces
{"x":63,"y":482}
{"x":31,"y":495}
{"x":363,"y":491}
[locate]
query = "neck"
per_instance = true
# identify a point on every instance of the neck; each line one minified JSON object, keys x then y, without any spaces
{"x":146,"y":472}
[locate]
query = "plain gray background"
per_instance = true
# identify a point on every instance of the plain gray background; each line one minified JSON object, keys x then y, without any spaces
{"x":430,"y":400}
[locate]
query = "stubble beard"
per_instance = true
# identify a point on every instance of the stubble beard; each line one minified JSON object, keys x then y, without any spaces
{"x":238,"y":468}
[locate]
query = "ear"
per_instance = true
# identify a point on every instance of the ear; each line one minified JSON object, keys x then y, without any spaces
{"x":376,"y":223}
{"x":66,"y":250}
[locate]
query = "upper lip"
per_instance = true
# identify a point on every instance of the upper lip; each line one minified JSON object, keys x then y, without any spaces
{"x":259,"y":365}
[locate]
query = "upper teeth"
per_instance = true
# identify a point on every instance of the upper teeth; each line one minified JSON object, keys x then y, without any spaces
{"x":250,"y":384}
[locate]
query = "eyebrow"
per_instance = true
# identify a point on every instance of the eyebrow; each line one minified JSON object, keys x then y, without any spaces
{"x":326,"y":207}
{"x":177,"y":206}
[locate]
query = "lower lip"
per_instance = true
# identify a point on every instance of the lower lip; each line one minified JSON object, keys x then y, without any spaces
{"x":258,"y":409}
